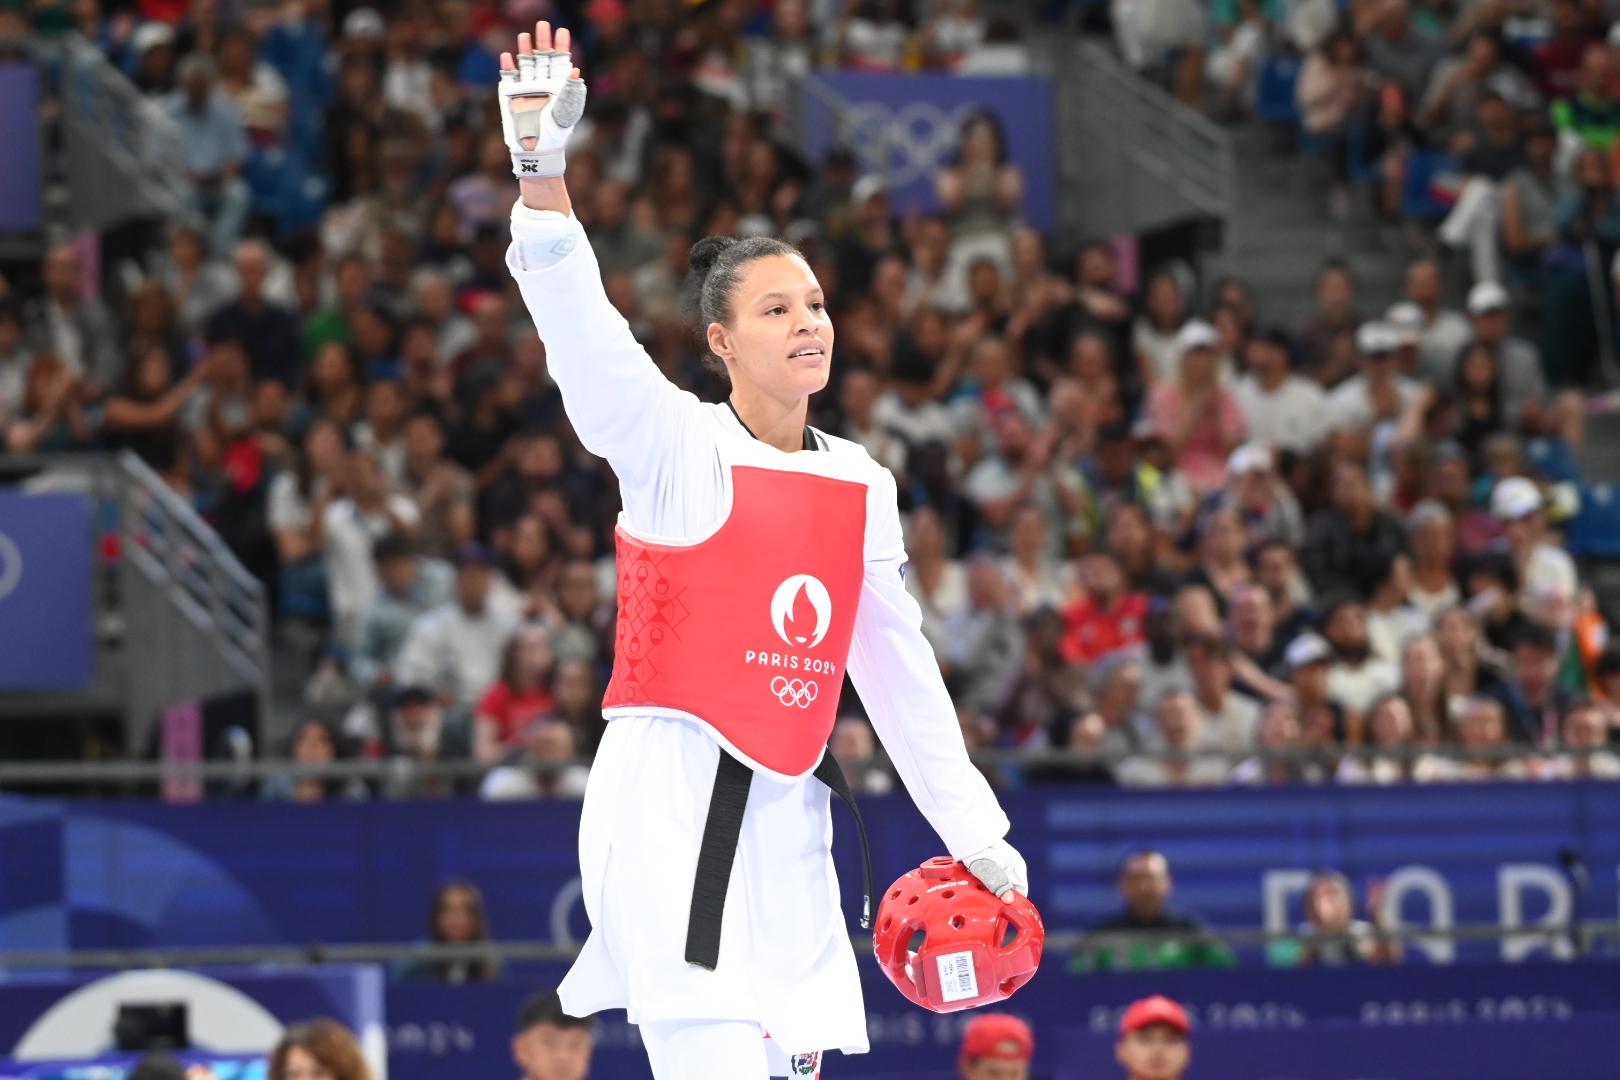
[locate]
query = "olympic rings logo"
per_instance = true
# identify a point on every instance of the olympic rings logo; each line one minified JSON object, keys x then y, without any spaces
{"x":905,"y":143}
{"x":800,"y":692}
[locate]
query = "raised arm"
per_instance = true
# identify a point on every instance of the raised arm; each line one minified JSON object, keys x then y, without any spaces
{"x":620,"y":404}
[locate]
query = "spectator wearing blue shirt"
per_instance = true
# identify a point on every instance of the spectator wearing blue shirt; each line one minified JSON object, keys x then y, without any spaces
{"x":214,"y":147}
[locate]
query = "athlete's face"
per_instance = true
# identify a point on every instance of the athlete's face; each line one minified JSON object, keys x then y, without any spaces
{"x":549,"y":1052}
{"x":1156,"y":1052}
{"x":781,"y":338}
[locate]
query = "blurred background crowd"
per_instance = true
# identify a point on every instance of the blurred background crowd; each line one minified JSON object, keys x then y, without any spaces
{"x":1146,"y":521}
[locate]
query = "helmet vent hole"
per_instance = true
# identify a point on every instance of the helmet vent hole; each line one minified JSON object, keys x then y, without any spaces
{"x":957,"y":922}
{"x":918,"y":938}
{"x":948,"y":893}
{"x":895,"y":895}
{"x":1009,"y":985}
{"x":1009,"y":934}
{"x":887,"y":923}
{"x":913,"y":900}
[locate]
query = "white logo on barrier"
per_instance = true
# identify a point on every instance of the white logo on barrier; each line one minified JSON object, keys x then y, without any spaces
{"x":11,"y":565}
{"x":800,"y":692}
{"x":903,"y":144}
{"x":783,"y":600}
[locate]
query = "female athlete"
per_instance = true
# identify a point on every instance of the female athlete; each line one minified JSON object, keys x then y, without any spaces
{"x":759,"y":559}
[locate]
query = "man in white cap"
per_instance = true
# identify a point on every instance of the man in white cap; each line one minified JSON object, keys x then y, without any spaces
{"x":1406,"y":319}
{"x":1266,"y":505}
{"x":1544,"y":568}
{"x":1282,"y":409}
{"x":1524,"y":387}
{"x":1379,"y":392}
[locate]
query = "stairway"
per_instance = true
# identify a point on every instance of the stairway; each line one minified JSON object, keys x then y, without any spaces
{"x":1281,"y":230}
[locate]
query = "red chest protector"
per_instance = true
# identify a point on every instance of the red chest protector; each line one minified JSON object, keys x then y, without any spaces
{"x":748,"y":630}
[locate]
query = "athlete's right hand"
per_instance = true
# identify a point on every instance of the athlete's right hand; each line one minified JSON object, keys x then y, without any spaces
{"x":542,"y":97}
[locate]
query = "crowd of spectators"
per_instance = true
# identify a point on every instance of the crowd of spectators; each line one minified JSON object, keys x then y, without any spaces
{"x":1141,"y":517}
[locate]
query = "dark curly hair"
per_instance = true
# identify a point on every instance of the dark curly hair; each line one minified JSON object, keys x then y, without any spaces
{"x":717,"y":263}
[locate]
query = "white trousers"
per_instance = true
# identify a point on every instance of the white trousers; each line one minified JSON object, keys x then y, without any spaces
{"x":719,"y":1050}
{"x":1475,"y":223}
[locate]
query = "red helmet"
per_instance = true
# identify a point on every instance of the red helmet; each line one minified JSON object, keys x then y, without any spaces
{"x":975,"y":949}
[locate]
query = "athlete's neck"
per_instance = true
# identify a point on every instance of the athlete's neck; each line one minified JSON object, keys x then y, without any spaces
{"x":770,"y":421}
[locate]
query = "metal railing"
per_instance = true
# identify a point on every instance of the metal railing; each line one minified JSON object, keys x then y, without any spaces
{"x":21,"y":775}
{"x":1591,"y":934}
{"x":123,"y":156}
{"x":196,"y":622}
{"x":179,"y":618}
{"x":1132,"y":157}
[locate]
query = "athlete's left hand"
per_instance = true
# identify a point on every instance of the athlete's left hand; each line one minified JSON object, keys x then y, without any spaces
{"x":1001,"y":869}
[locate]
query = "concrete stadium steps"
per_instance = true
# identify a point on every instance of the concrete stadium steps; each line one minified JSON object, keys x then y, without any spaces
{"x":1282,"y":229}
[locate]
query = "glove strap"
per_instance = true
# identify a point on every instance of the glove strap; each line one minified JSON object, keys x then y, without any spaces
{"x":538,"y":164}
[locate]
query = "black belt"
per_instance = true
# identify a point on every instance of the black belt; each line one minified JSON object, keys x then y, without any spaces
{"x":719,"y":849}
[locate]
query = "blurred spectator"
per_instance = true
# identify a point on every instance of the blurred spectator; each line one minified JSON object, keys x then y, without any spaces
{"x":1153,"y":1040}
{"x":1106,"y":616}
{"x":1158,"y":936}
{"x":313,"y":743}
{"x":550,"y":1044}
{"x":1351,"y":540}
{"x":1323,"y":720}
{"x":214,"y":146}
{"x":519,"y":697}
{"x":15,"y":359}
{"x":1389,"y":739}
{"x":1444,"y":332}
{"x":1200,"y":420}
{"x":1536,"y":705}
{"x":1335,"y":315}
{"x":1038,"y":578}
{"x":1358,"y":675}
{"x":1336,"y":937}
{"x":856,"y":748}
{"x":73,"y":326}
{"x":1155,"y":337}
{"x":1181,"y":730}
{"x":1586,"y":735}
{"x":360,"y":512}
{"x":1543,"y":567}
{"x":440,"y":488}
{"x":543,"y":764}
{"x":1279,"y":740}
{"x":457,"y":648}
{"x":1390,"y":620}
{"x":996,"y":1046}
{"x":1482,"y":737}
{"x":984,"y":643}
{"x":265,"y":329}
{"x":1229,"y":717}
{"x":410,"y":586}
{"x":1423,"y":689}
{"x":417,"y":732}
{"x":1266,"y":508}
{"x":1434,"y":551}
{"x":456,"y":917}
{"x":1376,"y":393}
{"x":318,"y":1048}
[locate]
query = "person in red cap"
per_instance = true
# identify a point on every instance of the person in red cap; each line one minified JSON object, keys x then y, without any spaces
{"x":996,"y":1046}
{"x":1153,"y":1040}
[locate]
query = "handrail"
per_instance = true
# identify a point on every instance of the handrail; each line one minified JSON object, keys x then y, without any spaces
{"x":1589,"y":932}
{"x":1146,"y":158}
{"x":27,"y":773}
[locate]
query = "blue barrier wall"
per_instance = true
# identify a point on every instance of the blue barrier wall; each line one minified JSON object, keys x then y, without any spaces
{"x":83,"y":874}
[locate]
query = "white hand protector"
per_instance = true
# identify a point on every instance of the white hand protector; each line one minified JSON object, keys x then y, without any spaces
{"x":1000,"y":868}
{"x":543,"y":75}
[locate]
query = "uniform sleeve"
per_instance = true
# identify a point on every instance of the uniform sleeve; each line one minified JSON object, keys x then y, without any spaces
{"x":620,"y":404}
{"x":898,"y":679}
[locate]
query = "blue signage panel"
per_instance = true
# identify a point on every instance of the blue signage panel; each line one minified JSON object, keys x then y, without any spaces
{"x":46,"y":638}
{"x":906,"y":128}
{"x":21,"y":209}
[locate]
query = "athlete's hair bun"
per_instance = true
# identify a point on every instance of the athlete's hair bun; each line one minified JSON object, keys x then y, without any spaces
{"x":706,"y":252}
